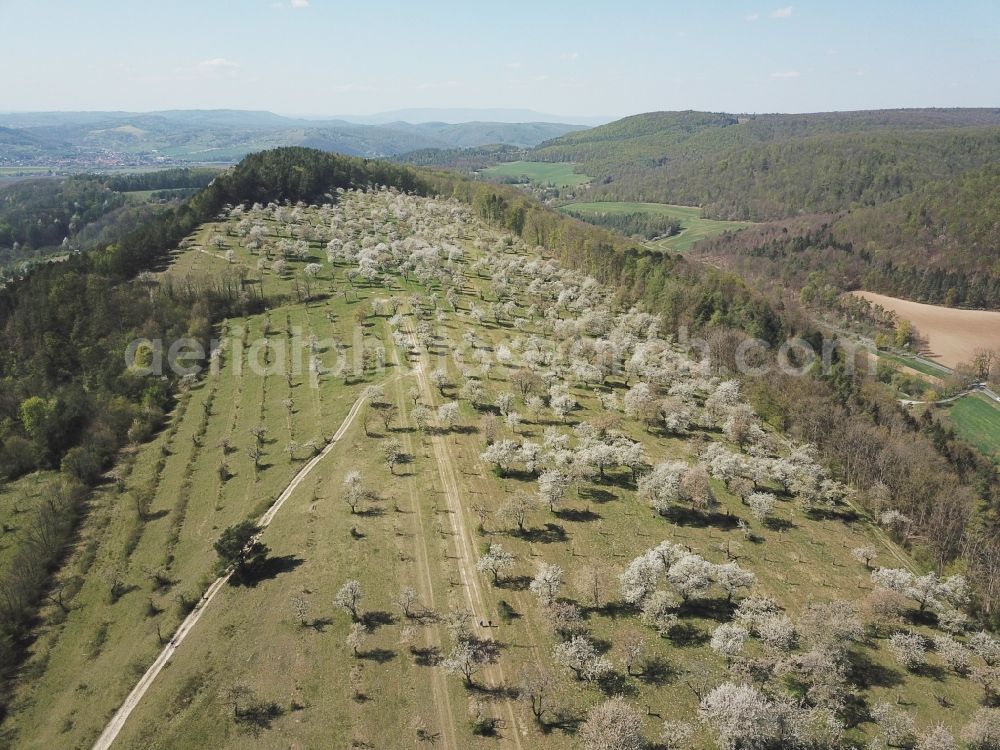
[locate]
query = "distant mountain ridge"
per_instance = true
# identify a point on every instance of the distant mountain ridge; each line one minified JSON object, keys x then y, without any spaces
{"x":180,"y":136}
{"x":456,"y":115}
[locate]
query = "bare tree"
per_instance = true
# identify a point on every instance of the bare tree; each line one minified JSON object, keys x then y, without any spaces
{"x":534,"y":686}
{"x":406,"y":598}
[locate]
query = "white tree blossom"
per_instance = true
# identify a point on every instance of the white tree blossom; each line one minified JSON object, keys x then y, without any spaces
{"x":579,"y":656}
{"x":547,"y":583}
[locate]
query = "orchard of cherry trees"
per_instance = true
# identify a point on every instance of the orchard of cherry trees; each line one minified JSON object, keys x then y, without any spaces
{"x":601,"y":431}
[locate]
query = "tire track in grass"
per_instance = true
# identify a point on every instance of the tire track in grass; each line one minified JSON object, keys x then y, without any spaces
{"x":442,"y":700}
{"x":117,"y":722}
{"x":466,"y":555}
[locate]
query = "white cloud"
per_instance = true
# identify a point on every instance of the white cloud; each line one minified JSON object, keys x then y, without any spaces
{"x":785,"y":74}
{"x":785,"y":12}
{"x":513,"y":65}
{"x":751,"y":17}
{"x":541,"y":77}
{"x":300,"y":3}
{"x":218,"y":64}
{"x":570,"y":56}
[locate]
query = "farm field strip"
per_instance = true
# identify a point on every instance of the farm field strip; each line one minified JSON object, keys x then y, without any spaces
{"x":952,"y":334}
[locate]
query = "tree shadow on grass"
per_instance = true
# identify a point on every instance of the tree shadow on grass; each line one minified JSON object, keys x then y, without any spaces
{"x":378,"y":655}
{"x":258,"y":716}
{"x":616,"y":683}
{"x":710,"y":608}
{"x":507,"y":612}
{"x":376,"y":618}
{"x":493,"y":692}
{"x":265,"y":570}
{"x":779,"y":524}
{"x":514,"y":583}
{"x":578,"y":515}
{"x":320,"y":624}
{"x":551,"y":532}
{"x":597,"y":494}
{"x":865,"y":673}
{"x":934,"y":671}
{"x":699,"y":519}
{"x":658,"y":672}
{"x":563,"y":721}
{"x":844,"y":514}
{"x":612,"y":610}
{"x":687,"y":634}
{"x":426,"y":656}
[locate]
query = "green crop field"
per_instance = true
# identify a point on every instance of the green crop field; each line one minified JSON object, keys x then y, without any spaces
{"x":560,"y":174}
{"x":976,"y":418}
{"x":693,"y":227}
{"x":466,"y":332}
{"x":914,"y":364}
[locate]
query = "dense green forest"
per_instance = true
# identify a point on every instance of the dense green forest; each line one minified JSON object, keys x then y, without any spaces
{"x":634,"y":223}
{"x":465,"y":159}
{"x":161,"y":179}
{"x":774,"y":166}
{"x":67,"y":400}
{"x":632,"y":145}
{"x":41,"y":213}
{"x":823,"y":173}
{"x":948,"y":227}
{"x":74,"y":213}
{"x":898,"y":201}
{"x":936,"y":245}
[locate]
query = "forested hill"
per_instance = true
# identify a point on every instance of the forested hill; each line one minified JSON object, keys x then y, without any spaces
{"x":898,"y":201}
{"x":939,"y":244}
{"x":39,"y":216}
{"x":773,"y":166}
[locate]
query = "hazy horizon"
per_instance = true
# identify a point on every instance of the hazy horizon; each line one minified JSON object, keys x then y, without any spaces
{"x":574,"y":60}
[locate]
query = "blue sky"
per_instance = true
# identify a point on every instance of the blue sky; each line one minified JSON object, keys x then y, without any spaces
{"x":575,"y":58}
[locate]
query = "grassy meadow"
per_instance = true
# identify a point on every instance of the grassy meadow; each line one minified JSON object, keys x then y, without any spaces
{"x":693,"y":226}
{"x":559,"y":174}
{"x":976,"y":419}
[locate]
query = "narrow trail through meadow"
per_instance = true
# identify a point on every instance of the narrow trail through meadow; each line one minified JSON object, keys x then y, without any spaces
{"x":464,"y":544}
{"x":117,"y":722}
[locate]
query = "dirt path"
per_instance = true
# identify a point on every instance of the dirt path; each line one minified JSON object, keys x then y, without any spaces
{"x":425,"y":586}
{"x":114,"y":726}
{"x":465,"y":547}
